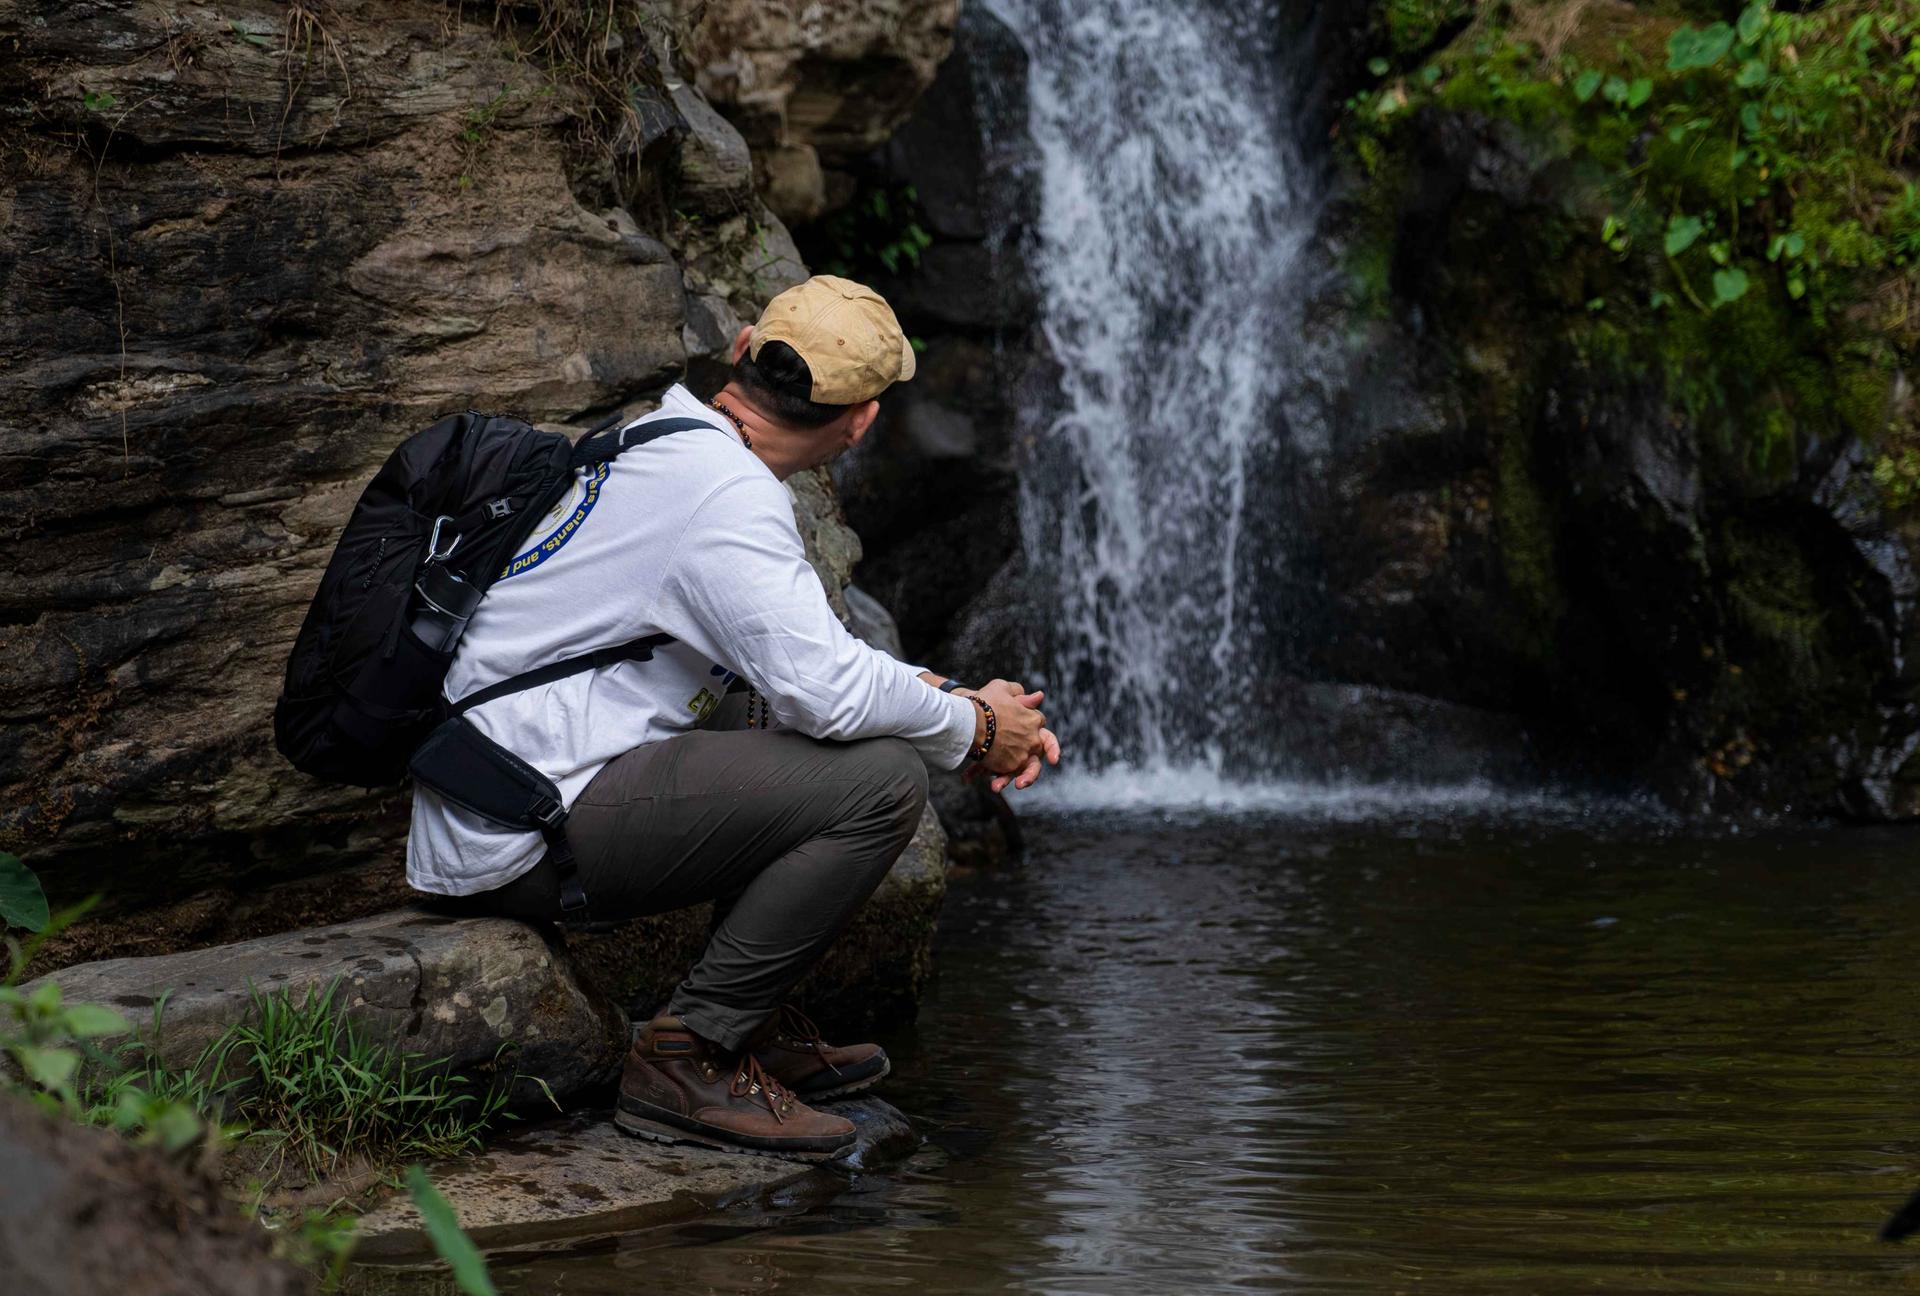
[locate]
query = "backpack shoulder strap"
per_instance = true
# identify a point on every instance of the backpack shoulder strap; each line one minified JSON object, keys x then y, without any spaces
{"x":602,"y":445}
{"x":606,"y":442}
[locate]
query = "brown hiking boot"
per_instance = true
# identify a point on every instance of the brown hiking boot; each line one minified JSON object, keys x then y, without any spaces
{"x":677,"y":1088}
{"x":790,"y":1048}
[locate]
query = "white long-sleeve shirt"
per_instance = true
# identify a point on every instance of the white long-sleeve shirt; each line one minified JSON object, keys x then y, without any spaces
{"x":692,"y":536}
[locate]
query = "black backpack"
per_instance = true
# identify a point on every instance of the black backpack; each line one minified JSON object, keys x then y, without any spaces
{"x":433,"y":530}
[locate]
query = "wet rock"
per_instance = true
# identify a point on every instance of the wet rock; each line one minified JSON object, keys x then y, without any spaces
{"x":582,"y":1177}
{"x":489,"y":995}
{"x":85,"y":1213}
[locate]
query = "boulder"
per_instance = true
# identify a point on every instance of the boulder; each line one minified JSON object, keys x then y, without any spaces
{"x":489,"y":995}
{"x":85,"y":1213}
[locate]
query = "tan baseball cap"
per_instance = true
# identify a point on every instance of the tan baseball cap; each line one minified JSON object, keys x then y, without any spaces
{"x":845,"y":332}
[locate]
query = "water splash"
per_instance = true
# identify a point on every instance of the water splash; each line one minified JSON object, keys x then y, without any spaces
{"x":1172,"y":210}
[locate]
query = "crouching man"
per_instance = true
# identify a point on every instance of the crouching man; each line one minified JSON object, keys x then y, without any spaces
{"x":787,"y":824}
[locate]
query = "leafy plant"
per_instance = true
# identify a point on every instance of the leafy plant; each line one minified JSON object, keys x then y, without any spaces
{"x":881,"y":228}
{"x":22,"y":901}
{"x":449,"y":1240}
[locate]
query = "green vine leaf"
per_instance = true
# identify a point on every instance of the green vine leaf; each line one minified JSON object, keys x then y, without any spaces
{"x":1753,"y":21}
{"x":22,"y":902}
{"x":1681,"y":233}
{"x":1692,"y":48}
{"x":1639,"y":92}
{"x":1588,"y":84}
{"x":1729,"y":285}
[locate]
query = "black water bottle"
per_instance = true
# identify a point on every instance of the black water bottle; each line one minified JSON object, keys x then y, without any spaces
{"x":443,"y":604}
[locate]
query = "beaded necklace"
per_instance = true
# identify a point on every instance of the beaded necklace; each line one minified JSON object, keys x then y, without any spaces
{"x":746,"y":438}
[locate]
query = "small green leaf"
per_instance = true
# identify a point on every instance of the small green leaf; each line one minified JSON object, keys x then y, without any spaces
{"x":89,"y":1021}
{"x":1750,"y":119}
{"x":50,"y":1068}
{"x":1615,"y":91}
{"x":1752,"y":73}
{"x":1796,"y":244}
{"x":1378,"y":66}
{"x":1639,"y":92}
{"x":1753,"y":21}
{"x":1596,"y":304}
{"x":98,"y":100}
{"x":443,"y":1229}
{"x":22,"y":902}
{"x":1681,"y":233}
{"x":1796,"y":287}
{"x":174,"y":1126}
{"x":1588,"y":82}
{"x":1659,"y":300}
{"x":1690,"y":48}
{"x":1430,"y":74}
{"x":1729,"y":285}
{"x":1721,"y":251}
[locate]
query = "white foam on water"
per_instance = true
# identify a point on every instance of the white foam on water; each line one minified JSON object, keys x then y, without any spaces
{"x":1199,"y":788}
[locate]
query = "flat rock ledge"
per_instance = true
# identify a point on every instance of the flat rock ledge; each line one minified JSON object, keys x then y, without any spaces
{"x":565,"y":1181}
{"x":489,"y":995}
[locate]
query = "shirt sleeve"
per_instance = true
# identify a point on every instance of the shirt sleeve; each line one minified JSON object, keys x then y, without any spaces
{"x":739,"y":590}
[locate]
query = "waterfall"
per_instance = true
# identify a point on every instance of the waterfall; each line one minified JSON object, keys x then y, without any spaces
{"x":1173,"y":207}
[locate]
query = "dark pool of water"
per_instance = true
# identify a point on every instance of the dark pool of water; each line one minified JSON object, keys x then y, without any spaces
{"x":1441,"y":1057}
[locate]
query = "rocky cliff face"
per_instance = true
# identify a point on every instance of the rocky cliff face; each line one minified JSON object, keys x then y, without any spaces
{"x":1653,"y":531}
{"x":245,"y":248}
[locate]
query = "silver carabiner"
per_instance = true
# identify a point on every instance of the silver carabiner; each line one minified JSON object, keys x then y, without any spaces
{"x":434,"y":552}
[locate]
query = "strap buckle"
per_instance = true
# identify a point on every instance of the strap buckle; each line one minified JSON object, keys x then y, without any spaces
{"x":499,"y":508}
{"x":548,"y":813}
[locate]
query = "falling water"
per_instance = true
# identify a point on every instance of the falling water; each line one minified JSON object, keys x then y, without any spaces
{"x":1173,"y":206}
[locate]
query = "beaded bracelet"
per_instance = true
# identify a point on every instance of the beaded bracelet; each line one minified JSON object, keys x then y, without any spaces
{"x":986,"y":743}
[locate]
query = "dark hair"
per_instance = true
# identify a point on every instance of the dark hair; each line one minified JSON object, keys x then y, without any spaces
{"x":780,"y":384}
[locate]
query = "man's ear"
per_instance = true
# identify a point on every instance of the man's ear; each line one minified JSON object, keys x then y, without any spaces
{"x":741,"y":341}
{"x":860,"y":420}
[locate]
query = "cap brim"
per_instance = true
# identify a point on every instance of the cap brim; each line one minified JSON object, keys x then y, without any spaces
{"x":908,"y":362}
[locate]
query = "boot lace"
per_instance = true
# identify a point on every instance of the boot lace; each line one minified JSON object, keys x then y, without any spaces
{"x":799,"y":1027}
{"x":750,"y":1078}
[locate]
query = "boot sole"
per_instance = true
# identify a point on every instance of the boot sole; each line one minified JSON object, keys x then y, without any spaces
{"x":643,"y":1120}
{"x":848,"y":1090}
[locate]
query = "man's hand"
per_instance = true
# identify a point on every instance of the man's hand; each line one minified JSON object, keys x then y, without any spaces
{"x":1021,"y":737}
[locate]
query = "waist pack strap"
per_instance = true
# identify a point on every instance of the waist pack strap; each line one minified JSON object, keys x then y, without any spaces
{"x":637,"y":650}
{"x":477,"y":774}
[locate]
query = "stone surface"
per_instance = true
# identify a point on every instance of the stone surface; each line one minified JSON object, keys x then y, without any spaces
{"x":835,"y":77}
{"x":242,"y":258}
{"x":489,"y":995}
{"x":233,"y":286}
{"x":582,"y":1177}
{"x":85,"y":1213}
{"x":934,"y":487}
